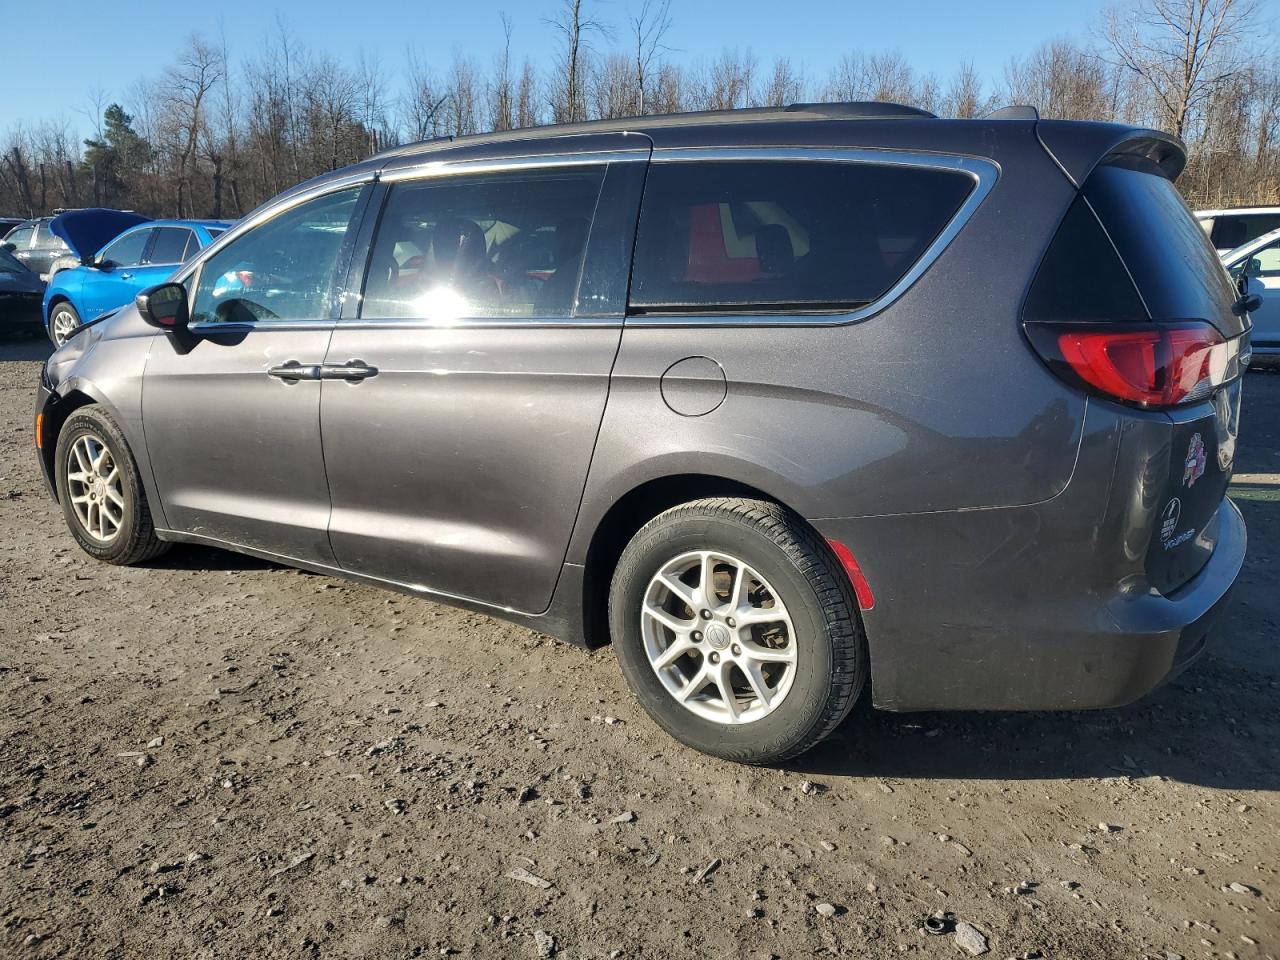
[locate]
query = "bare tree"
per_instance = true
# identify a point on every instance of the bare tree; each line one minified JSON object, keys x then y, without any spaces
{"x":187,"y":87}
{"x":576,"y":30}
{"x":649,"y":28}
{"x":424,"y":100}
{"x":1183,"y":50}
{"x":462,"y":103}
{"x":964,"y":98}
{"x":1063,"y":81}
{"x":527,"y":97}
{"x":501,"y":95}
{"x":784,"y":86}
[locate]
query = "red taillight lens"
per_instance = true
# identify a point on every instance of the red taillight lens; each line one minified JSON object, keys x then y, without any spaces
{"x":1151,"y":365}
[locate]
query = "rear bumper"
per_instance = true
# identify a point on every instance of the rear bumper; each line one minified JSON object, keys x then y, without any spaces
{"x":995,"y":630}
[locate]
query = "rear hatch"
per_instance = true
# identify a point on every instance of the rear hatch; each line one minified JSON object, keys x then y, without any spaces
{"x":1135,"y":306}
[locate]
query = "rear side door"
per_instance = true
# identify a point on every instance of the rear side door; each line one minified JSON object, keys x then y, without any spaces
{"x":465,"y":387}
{"x":163,"y":257}
{"x":232,"y":411}
{"x":112,"y":283}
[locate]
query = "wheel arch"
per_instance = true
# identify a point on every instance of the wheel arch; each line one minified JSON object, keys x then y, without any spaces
{"x":55,"y":416}
{"x":625,"y":516}
{"x":53,"y":301}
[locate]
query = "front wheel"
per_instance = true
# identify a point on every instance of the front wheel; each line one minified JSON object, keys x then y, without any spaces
{"x":737,"y":630}
{"x":101,"y":494}
{"x":63,"y":322}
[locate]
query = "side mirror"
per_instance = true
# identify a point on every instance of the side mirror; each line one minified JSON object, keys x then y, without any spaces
{"x":1249,"y":304}
{"x":164,"y":306}
{"x":8,"y":247}
{"x":1253,"y":268}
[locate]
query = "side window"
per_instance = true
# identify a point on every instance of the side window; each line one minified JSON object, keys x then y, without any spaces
{"x":495,"y":245}
{"x":20,"y":237}
{"x":283,"y":269}
{"x":1229,"y":233}
{"x":46,"y":239}
{"x":170,"y":245}
{"x":769,"y":235}
{"x":1269,"y":257}
{"x":126,"y":251}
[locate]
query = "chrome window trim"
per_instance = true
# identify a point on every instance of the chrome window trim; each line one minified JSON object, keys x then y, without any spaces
{"x":495,"y":323}
{"x":429,"y":169}
{"x":984,"y":173}
{"x":449,"y":168}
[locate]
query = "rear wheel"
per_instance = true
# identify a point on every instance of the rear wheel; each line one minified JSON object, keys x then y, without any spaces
{"x":101,"y":495}
{"x":737,"y":630}
{"x":63,"y":321}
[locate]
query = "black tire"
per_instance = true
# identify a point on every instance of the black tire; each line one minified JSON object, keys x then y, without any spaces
{"x":831,"y":656}
{"x":134,"y":540}
{"x":62,"y":309}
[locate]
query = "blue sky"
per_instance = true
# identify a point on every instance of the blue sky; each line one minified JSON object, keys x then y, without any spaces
{"x":111,"y":44}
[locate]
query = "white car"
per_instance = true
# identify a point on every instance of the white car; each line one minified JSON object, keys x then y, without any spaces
{"x":1259,"y":263}
{"x":1231,"y":228}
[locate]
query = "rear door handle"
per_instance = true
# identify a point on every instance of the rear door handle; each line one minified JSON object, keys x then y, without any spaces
{"x":126,"y":276}
{"x":351,"y":370}
{"x":292,"y":370}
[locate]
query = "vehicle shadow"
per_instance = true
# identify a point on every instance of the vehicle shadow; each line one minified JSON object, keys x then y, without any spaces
{"x":24,"y":349}
{"x":1216,"y":725}
{"x":201,"y":559}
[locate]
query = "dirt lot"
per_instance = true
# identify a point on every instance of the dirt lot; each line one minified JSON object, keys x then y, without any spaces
{"x":215,"y":757}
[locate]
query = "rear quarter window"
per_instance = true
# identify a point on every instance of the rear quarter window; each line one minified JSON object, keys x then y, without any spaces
{"x":774,"y":235}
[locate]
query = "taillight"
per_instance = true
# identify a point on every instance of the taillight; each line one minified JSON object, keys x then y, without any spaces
{"x":1148,"y":364}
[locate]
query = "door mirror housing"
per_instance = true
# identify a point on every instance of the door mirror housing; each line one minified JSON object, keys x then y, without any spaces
{"x":164,"y":306}
{"x":1253,"y":267}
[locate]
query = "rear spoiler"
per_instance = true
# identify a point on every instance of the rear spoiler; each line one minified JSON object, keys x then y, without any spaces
{"x":1079,"y":146}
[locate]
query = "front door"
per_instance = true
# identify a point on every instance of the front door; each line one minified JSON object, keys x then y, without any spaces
{"x":460,"y":407}
{"x":232,"y":411}
{"x":1266,"y":319}
{"x":110,"y":284}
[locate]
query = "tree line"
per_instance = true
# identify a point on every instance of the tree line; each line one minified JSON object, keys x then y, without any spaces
{"x":214,"y":136}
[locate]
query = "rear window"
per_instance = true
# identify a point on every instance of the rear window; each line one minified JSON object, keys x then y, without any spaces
{"x":1174,"y":265}
{"x":766,"y":235}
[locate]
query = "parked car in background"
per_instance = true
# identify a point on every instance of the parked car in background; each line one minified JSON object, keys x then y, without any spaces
{"x":21,"y":295}
{"x":782,"y":402}
{"x":1257,"y":265}
{"x":34,"y":245}
{"x":1234,"y":227}
{"x":108,"y":277}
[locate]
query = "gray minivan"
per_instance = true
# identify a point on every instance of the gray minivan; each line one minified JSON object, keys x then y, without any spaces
{"x":782,"y":403}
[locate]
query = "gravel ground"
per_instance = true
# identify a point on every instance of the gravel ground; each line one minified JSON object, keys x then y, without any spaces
{"x":217,"y":757}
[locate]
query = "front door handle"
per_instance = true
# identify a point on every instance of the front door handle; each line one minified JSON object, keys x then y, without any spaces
{"x":352,"y":370}
{"x":292,"y":370}
{"x":126,"y":276}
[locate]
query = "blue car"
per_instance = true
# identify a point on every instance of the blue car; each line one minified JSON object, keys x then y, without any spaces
{"x":120,"y":255}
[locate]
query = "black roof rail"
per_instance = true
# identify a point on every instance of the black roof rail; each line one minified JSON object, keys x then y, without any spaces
{"x":1015,"y":112}
{"x":860,"y":110}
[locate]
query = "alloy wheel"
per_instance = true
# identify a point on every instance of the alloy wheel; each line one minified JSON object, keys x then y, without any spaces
{"x":719,"y":637}
{"x":95,"y":488}
{"x":64,"y":324}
